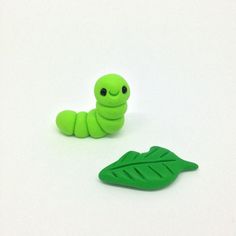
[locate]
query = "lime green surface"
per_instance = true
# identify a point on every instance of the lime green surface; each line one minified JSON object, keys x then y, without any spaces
{"x":113,"y":84}
{"x":111,"y":92}
{"x":66,"y":122}
{"x":81,"y":130}
{"x":152,"y":170}
{"x":94,"y":128}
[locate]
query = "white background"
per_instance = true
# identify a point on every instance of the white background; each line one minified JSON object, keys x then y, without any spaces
{"x":179,"y":59}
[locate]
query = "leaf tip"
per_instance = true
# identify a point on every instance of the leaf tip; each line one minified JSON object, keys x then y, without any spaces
{"x":101,"y":175}
{"x":190,"y":166}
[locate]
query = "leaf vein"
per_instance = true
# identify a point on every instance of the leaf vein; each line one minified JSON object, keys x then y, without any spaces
{"x":128,"y":174}
{"x":139,"y":173}
{"x":155,"y":171}
{"x":114,"y":174}
{"x":168,"y":168}
{"x":141,"y":163}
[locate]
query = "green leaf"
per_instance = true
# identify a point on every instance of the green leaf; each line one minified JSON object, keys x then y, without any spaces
{"x":152,"y":170}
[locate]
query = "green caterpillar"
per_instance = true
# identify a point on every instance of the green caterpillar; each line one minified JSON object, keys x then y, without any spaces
{"x":111,"y":92}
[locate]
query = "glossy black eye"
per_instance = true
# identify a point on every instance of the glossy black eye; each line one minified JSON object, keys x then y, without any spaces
{"x":103,"y":92}
{"x":124,"y":89}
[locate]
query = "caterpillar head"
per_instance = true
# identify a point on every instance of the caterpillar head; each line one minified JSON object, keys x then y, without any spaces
{"x":111,"y":90}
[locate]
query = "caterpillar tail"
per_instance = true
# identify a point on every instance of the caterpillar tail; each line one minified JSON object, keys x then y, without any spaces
{"x":81,"y":124}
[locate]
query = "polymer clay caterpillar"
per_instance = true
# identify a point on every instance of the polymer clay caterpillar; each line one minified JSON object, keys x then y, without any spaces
{"x":151,"y":170}
{"x":111,"y":92}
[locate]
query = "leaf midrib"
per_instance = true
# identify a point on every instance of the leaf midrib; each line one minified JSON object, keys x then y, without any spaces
{"x":140,"y":163}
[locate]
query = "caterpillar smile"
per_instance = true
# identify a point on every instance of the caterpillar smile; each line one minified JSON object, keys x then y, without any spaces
{"x":114,"y":94}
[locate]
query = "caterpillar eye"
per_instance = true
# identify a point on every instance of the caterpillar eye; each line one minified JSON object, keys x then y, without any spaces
{"x":103,"y":92}
{"x":124,"y":89}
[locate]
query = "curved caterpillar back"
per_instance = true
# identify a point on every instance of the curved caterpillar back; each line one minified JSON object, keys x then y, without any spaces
{"x":112,"y":93}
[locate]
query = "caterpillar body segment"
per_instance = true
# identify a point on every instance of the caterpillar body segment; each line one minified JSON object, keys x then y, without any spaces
{"x":111,"y":92}
{"x":110,"y":121}
{"x":111,"y":113}
{"x":94,"y":128}
{"x":80,"y":127}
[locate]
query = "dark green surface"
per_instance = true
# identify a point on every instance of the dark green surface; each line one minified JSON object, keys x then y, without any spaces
{"x":152,"y":170}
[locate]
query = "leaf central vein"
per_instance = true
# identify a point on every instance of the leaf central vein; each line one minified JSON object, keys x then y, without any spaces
{"x":141,"y":163}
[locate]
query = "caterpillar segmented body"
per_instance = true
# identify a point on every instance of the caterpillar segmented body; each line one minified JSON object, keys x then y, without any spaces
{"x":111,"y":92}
